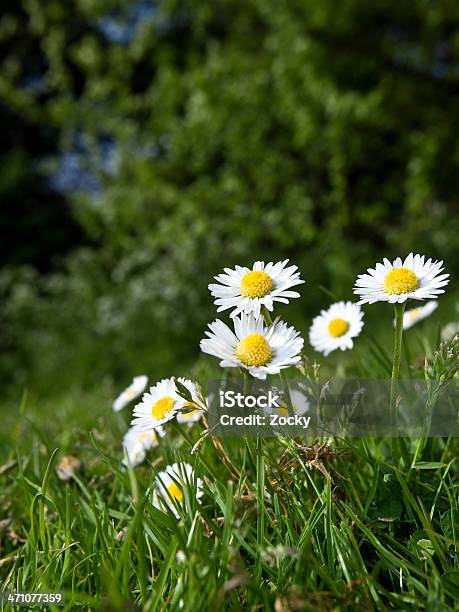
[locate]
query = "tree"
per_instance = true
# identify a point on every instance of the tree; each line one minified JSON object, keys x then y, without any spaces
{"x":215,"y":133}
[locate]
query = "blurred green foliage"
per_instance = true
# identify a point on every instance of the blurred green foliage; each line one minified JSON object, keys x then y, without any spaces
{"x":323,"y":132}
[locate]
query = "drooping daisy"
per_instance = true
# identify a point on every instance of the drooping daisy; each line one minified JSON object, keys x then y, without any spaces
{"x":299,"y":404}
{"x":136,"y":443}
{"x":258,"y":348}
{"x":194,"y":396}
{"x":191,"y":416}
{"x":297,"y":408}
{"x":136,"y":387}
{"x":335,"y":327}
{"x":247,"y":290}
{"x":413,"y":316}
{"x":158,"y":406}
{"x":400,"y":280}
{"x":170,"y":485}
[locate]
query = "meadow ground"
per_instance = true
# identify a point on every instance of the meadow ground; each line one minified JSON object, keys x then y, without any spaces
{"x":288,"y":525}
{"x":146,"y":146}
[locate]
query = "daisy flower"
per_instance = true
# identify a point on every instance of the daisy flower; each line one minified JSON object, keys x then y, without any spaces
{"x":67,"y":467}
{"x":170,"y":484}
{"x":336,"y":327}
{"x":300,"y":405}
{"x":247,"y":290}
{"x":400,"y":280}
{"x":191,"y":416}
{"x":413,"y":316}
{"x":258,"y":348}
{"x":158,"y":406}
{"x":136,"y":444}
{"x":136,"y":387}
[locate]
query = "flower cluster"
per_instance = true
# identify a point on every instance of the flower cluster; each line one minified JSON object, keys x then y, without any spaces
{"x":168,"y":399}
{"x":163,"y":402}
{"x":254,"y":343}
{"x":262,"y":347}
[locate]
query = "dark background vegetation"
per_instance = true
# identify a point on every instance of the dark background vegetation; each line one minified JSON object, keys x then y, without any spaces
{"x":144,"y":145}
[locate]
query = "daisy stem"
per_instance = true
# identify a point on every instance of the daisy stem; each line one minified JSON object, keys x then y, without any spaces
{"x":260,"y":485}
{"x":252,"y":448}
{"x":283,"y":379}
{"x":260,"y":502}
{"x":399,"y":310}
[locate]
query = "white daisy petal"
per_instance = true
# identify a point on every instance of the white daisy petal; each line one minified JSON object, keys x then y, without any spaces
{"x":335,"y":327}
{"x":414,"y":315}
{"x":136,"y":387}
{"x":246,"y":290}
{"x":258,"y":348}
{"x":414,"y":278}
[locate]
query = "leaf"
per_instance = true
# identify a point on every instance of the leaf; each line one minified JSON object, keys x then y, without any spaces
{"x":428,"y":465}
{"x":449,"y":522}
{"x":389,"y":509}
{"x":183,"y":391}
{"x":451,"y":582}
{"x":425,"y":549}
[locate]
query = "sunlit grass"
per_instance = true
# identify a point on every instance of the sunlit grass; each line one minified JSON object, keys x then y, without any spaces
{"x":322,"y":527}
{"x":286,"y":524}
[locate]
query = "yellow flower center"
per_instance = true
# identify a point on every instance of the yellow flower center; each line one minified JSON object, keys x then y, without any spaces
{"x":338,"y":327}
{"x":400,"y":280}
{"x":190,"y":415}
{"x":162,"y":407}
{"x":282,"y":411}
{"x":256,"y":284}
{"x":175,"y":492}
{"x":254,"y":350}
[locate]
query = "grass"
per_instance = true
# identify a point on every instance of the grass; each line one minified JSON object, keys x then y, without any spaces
{"x":283,"y":524}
